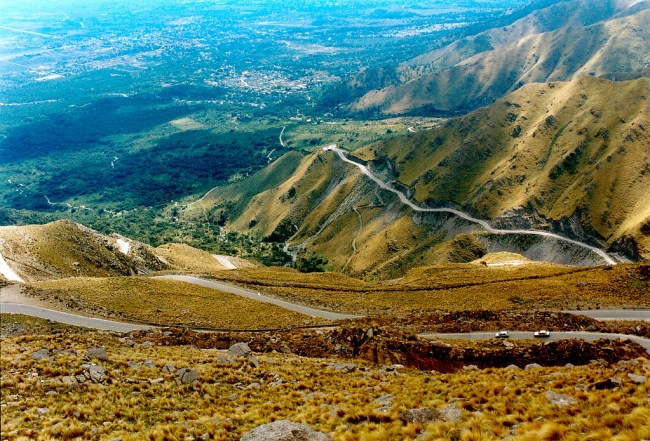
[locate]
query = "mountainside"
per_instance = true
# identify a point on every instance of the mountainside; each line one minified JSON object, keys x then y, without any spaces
{"x":568,"y":157}
{"x":65,"y":249}
{"x":565,"y":41}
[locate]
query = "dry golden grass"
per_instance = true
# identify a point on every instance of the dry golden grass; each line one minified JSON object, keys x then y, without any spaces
{"x":65,"y":249}
{"x":457,"y":287}
{"x":167,"y":302}
{"x":230,"y":400}
{"x":188,"y":258}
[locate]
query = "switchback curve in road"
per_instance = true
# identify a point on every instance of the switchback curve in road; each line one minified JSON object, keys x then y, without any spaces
{"x":587,"y":336}
{"x":257,"y":296}
{"x":482,"y":223}
{"x":69,"y":319}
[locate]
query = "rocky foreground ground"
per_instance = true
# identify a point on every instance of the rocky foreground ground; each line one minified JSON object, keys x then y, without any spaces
{"x":60,"y":382}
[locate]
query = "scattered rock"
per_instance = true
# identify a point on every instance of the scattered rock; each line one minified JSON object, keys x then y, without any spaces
{"x":98,"y":353}
{"x":225,"y":359}
{"x":638,"y":379}
{"x":508,"y":344}
{"x":147,"y":344}
{"x":187,"y":376}
{"x":149,"y":364}
{"x":512,"y":367}
{"x":420,"y":416}
{"x":285,"y":349}
{"x":285,"y":431}
{"x":243,"y":350}
{"x":385,"y":400}
{"x":97,"y":374}
{"x":41,"y":354}
{"x":169,"y":368}
{"x":532,"y":366}
{"x":470,"y":367}
{"x":157,"y":380}
{"x":560,"y":400}
{"x":133,"y":365}
{"x":451,"y":413}
{"x":343,"y":367}
{"x":240,"y":350}
{"x":42,"y":410}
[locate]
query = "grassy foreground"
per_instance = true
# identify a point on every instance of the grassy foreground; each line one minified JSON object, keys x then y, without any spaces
{"x":228,"y":400}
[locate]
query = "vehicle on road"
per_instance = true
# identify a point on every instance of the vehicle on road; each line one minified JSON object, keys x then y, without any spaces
{"x":542,"y":334}
{"x":502,"y":334}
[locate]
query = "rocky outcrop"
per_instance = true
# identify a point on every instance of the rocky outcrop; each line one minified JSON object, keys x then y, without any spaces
{"x":391,"y":347}
{"x":285,"y":431}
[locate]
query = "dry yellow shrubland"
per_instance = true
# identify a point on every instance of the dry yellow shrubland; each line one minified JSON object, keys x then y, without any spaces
{"x":229,"y":400}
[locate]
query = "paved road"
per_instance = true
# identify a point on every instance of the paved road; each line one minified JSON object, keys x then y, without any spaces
{"x":615,"y":314}
{"x":460,"y":214}
{"x":70,"y":319}
{"x":587,"y":336}
{"x":255,"y":296}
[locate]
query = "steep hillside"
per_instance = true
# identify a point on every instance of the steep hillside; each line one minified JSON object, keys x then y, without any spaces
{"x":565,"y":41}
{"x":566,"y":157}
{"x":572,"y":13}
{"x":66,"y":249}
{"x":575,"y":153}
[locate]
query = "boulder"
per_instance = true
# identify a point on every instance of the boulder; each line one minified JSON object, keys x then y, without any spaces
{"x":149,"y":364}
{"x":512,"y":367}
{"x":187,"y":376}
{"x":240,"y":350}
{"x":97,"y":374}
{"x":133,"y":365}
{"x":532,"y":366}
{"x":560,"y":400}
{"x":451,"y":413}
{"x":169,"y":368}
{"x":98,"y":353}
{"x":41,"y":354}
{"x":285,"y":431}
{"x":343,"y":367}
{"x":225,"y":359}
{"x":638,"y":379}
{"x":420,"y":416}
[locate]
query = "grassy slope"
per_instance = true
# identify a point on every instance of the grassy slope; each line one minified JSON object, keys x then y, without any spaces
{"x":561,"y":14}
{"x":225,"y":403}
{"x":187,"y":258}
{"x":457,"y":287}
{"x":166,"y":301}
{"x":603,"y":48}
{"x":578,"y":144}
{"x":553,"y":148}
{"x":65,"y":249}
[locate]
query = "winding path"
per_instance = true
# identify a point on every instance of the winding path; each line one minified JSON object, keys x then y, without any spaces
{"x":462,"y":215}
{"x":257,"y":296}
{"x":69,"y":319}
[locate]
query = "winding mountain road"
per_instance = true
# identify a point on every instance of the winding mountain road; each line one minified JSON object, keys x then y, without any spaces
{"x":587,"y":336}
{"x":482,"y":223}
{"x":69,"y":319}
{"x":259,"y":297}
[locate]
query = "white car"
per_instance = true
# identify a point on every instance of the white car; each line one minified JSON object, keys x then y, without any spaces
{"x":502,"y":334}
{"x":542,"y":334}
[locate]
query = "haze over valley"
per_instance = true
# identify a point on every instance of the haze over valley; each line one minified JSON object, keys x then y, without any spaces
{"x":325,"y":220}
